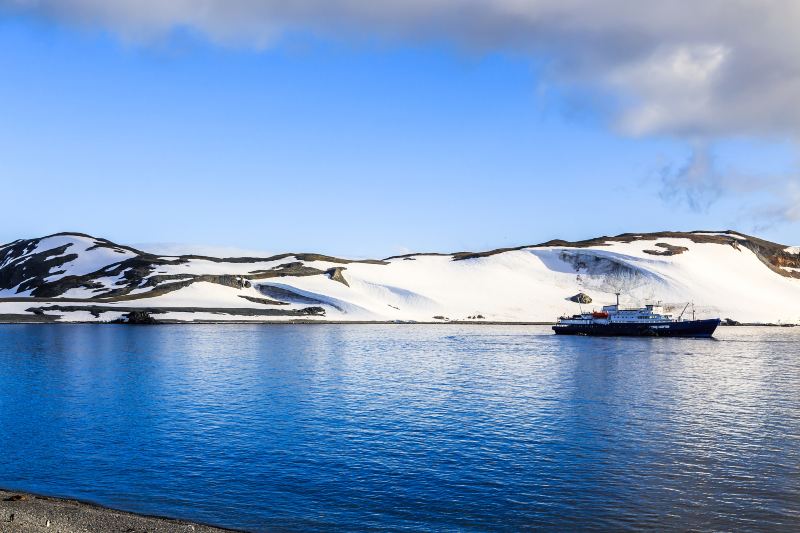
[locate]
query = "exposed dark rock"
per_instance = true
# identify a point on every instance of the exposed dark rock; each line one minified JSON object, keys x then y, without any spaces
{"x":286,"y":295}
{"x":28,"y":272}
{"x":312,"y":311}
{"x":36,"y":318}
{"x":670,"y":249}
{"x":581,"y":298}
{"x":135,"y":317}
{"x":139,"y":313}
{"x":163,"y":284}
{"x":299,"y":257}
{"x":295,"y":269}
{"x":336,"y":275}
{"x":60,"y":286}
{"x":237,"y":282}
{"x":589,"y":263}
{"x":730,"y":322}
{"x":263,"y":301}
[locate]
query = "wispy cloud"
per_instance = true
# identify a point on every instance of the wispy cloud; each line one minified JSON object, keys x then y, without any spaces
{"x":784,"y":208}
{"x":695,"y":183}
{"x":698,"y":183}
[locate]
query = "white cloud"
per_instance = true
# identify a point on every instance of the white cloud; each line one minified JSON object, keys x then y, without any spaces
{"x":691,"y":69}
{"x":714,"y":67}
{"x":672,"y":88}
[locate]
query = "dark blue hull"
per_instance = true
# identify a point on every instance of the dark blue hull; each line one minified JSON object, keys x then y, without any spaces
{"x":689,"y":328}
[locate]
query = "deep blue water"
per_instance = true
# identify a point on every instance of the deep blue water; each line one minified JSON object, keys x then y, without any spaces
{"x":407,"y":427}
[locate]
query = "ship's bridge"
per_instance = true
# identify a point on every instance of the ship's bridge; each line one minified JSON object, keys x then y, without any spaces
{"x":647,"y":313}
{"x":649,"y":308}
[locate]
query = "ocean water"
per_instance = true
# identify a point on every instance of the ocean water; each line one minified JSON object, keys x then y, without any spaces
{"x":332,"y":427}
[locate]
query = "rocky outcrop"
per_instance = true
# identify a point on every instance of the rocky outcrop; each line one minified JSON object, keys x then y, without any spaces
{"x":262,"y":301}
{"x":24,"y":270}
{"x":669,"y":249}
{"x":581,"y":298}
{"x":312,"y":311}
{"x":289,"y":296}
{"x":139,"y":318}
{"x":28,"y":271}
{"x":134,"y":315}
{"x":336,"y":275}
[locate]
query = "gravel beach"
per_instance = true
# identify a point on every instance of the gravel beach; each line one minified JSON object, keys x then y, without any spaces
{"x":23,"y":513}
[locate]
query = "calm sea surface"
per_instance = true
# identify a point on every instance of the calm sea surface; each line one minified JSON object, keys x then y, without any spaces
{"x":407,"y":427}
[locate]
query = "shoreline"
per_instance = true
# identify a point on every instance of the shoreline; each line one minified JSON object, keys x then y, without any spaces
{"x":38,"y":320}
{"x":35,"y":513}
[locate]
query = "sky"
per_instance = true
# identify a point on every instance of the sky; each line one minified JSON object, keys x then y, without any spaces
{"x":368,"y":129}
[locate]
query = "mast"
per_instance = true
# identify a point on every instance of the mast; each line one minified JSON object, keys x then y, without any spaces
{"x":617,"y":300}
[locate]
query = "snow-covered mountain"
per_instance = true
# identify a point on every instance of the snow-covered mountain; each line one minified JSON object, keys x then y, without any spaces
{"x":76,"y":277}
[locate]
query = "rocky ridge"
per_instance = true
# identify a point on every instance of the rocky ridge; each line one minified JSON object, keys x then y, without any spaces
{"x":77,"y":276}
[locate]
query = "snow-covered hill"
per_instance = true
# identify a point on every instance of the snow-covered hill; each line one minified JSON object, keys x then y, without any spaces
{"x":76,"y":277}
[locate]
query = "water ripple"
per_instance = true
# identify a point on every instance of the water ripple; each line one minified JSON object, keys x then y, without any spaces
{"x":444,"y":428}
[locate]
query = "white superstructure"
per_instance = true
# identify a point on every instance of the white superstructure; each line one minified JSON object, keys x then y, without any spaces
{"x":615,"y":314}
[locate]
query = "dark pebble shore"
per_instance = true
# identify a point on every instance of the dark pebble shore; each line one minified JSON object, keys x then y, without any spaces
{"x":23,"y":513}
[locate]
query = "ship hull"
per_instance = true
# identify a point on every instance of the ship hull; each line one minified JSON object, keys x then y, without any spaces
{"x":688,"y":328}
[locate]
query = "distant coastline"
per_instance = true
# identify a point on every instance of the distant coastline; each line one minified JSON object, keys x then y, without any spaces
{"x":27,"y":319}
{"x":37,"y":320}
{"x":74,"y":277}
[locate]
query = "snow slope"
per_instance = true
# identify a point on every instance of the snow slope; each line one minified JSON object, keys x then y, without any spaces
{"x":724,"y":274}
{"x":533,"y":284}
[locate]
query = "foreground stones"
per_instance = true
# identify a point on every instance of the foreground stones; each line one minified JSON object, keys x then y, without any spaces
{"x":26,"y":513}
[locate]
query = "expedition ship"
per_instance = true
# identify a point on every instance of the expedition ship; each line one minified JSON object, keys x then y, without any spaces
{"x":648,"y":321}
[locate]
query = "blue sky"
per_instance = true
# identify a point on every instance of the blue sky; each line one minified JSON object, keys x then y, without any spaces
{"x":352,"y":146}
